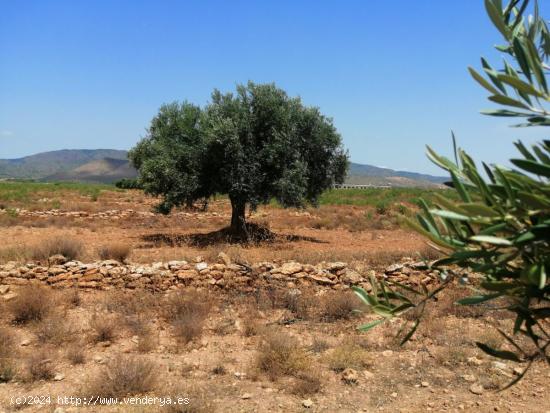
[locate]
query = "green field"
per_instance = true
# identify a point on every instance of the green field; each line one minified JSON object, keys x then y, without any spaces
{"x":23,"y":191}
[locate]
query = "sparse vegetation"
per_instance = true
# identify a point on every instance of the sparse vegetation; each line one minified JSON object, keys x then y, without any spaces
{"x":348,"y":355}
{"x":124,"y":376}
{"x":39,"y":366}
{"x":33,"y":303}
{"x":70,"y":248}
{"x":187,"y":311}
{"x":280,"y":354}
{"x":104,"y":327}
{"x":115,"y":251}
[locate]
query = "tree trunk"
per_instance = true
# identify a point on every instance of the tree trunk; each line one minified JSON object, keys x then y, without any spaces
{"x":238,"y":223}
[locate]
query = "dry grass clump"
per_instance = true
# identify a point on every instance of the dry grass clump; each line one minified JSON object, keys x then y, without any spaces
{"x":447,"y":305}
{"x":319,"y":345}
{"x":54,"y":329}
{"x":104,"y":328}
{"x":299,"y":303}
{"x":124,"y":376}
{"x":147,"y":339}
{"x":72,"y":297}
{"x":116,"y":251}
{"x":70,"y":248}
{"x":130,"y":303}
{"x":198,"y":400}
{"x":306,"y":384}
{"x":280,"y":354}
{"x":7,"y":353}
{"x":348,"y":355}
{"x":187,"y":312}
{"x":39,"y":366}
{"x":33,"y":303}
{"x":340,"y":305}
{"x":75,"y":353}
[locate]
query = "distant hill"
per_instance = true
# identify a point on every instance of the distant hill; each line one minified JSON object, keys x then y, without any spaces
{"x":109,"y":165}
{"x":46,"y":164}
{"x":106,"y":170}
{"x":361,"y":174}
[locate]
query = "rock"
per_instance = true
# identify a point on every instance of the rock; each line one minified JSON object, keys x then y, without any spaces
{"x":201,"y":266}
{"x":476,"y":388}
{"x":350,"y":376}
{"x":321,"y":280}
{"x":351,"y":277}
{"x":99,"y":359}
{"x":57,"y":259}
{"x":387,"y":353}
{"x":4,"y":289}
{"x":307,"y":403}
{"x":425,"y":384}
{"x":59,"y":410}
{"x":9,"y":296}
{"x":368,"y":374}
{"x":499,"y":365}
{"x":246,"y":396}
{"x":223,"y":258}
{"x":26,"y":342}
{"x":59,"y":377}
{"x":518,"y":371}
{"x":474,"y":361}
{"x":394,"y":268}
{"x":289,"y":268}
{"x":469,"y":378}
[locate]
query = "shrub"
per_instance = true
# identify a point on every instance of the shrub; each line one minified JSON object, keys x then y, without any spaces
{"x":116,"y":251}
{"x":124,"y":376}
{"x":348,"y":355}
{"x":340,"y":305}
{"x":54,"y":329}
{"x":33,"y":303}
{"x":39,"y":366}
{"x":187,"y":312}
{"x":75,"y":353}
{"x":69,"y":247}
{"x":280,"y":354}
{"x":306,"y":384}
{"x":7,"y":352}
{"x":104,"y":327}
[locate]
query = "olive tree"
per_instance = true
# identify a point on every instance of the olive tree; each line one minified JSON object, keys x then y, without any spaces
{"x":254,"y":145}
{"x":500,"y":228}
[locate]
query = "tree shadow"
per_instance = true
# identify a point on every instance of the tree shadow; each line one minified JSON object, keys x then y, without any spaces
{"x":255,"y":235}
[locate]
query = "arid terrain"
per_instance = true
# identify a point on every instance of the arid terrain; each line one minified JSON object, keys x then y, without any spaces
{"x":103,"y":298}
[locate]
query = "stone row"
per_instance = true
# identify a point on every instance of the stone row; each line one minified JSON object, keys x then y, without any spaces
{"x":223,"y":274}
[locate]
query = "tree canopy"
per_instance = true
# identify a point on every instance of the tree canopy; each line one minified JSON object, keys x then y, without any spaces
{"x":253,"y":145}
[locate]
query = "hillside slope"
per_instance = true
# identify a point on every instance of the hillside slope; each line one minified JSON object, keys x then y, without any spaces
{"x":45,"y":164}
{"x":109,"y":165}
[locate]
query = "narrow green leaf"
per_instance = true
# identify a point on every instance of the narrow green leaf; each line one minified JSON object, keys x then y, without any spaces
{"x":368,"y":326}
{"x":501,"y":354}
{"x":488,"y":239}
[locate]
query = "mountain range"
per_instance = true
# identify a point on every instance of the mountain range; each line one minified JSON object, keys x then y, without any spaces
{"x":110,"y":165}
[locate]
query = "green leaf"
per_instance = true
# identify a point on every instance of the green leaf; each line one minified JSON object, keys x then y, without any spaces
{"x":410,"y":333}
{"x":479,"y":209}
{"x":477,"y":299}
{"x":481,"y":80}
{"x":501,"y":354}
{"x":520,"y":85}
{"x":496,"y":17}
{"x":449,"y":215}
{"x":532,"y":166}
{"x":368,"y":326}
{"x":490,"y":240}
{"x":508,"y":101}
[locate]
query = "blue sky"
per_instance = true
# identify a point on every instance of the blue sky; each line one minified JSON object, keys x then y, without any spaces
{"x":392,"y":75}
